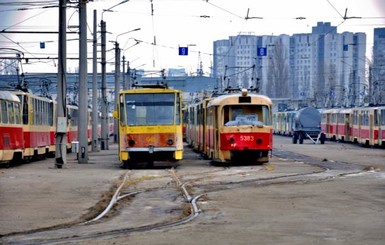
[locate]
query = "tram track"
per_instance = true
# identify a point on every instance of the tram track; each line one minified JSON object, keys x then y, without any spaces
{"x":191,"y":186}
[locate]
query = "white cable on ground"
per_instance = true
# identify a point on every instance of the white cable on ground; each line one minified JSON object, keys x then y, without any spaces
{"x":114,"y":199}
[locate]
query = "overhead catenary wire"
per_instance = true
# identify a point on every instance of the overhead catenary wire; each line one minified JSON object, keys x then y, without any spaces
{"x":157,"y":39}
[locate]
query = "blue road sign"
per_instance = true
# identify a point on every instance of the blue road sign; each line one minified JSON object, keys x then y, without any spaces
{"x":183,"y":50}
{"x":261,"y":51}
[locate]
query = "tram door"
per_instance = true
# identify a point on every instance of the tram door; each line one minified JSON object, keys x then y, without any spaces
{"x":371,"y":128}
{"x":347,"y":126}
{"x":216,"y":132}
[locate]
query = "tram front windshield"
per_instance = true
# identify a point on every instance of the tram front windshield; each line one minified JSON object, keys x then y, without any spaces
{"x":149,"y":109}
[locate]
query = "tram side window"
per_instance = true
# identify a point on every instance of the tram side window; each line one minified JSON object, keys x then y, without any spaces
{"x":74,"y":117}
{"x":25,"y":109}
{"x":341,"y":118}
{"x":122,"y":114}
{"x":191,"y":115}
{"x":36,"y":112}
{"x":178,"y":109}
{"x":11,"y":113}
{"x":355,"y":118}
{"x":365,"y":119}
{"x":226,"y":114}
{"x":44,"y":114}
{"x":50,"y":114}
{"x":17,"y":113}
{"x":266,"y":115}
{"x":383,"y":117}
{"x":4,"y":114}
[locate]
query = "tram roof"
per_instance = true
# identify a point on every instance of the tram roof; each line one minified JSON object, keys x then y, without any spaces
{"x":150,"y":90}
{"x":233,"y":98}
{"x":6,"y":95}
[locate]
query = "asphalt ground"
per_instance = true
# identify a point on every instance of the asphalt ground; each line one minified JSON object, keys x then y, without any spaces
{"x":37,"y":195}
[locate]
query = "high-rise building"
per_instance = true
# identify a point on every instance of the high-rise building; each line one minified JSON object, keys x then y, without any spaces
{"x":322,"y":68}
{"x":378,"y":68}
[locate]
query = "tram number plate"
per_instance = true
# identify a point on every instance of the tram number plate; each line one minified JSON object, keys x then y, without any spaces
{"x":247,"y":138}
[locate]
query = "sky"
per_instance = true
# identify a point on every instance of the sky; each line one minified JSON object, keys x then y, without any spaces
{"x":166,"y":25}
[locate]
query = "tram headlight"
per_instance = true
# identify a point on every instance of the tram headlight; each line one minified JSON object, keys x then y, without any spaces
{"x":131,"y":142}
{"x":259,"y":141}
{"x":170,"y":142}
{"x":232,"y":140}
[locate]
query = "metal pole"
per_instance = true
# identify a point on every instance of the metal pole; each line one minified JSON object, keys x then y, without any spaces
{"x":104,"y":132}
{"x":129,"y":75}
{"x":61,"y":112}
{"x":83,"y":93}
{"x":117,"y":88}
{"x":94,"y":88}
{"x":124,"y":73}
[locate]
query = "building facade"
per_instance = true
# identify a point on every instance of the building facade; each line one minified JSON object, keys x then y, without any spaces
{"x":377,"y":88}
{"x":322,"y":68}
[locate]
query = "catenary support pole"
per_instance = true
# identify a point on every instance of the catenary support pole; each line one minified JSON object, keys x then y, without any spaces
{"x":117,"y":88}
{"x":61,"y":113}
{"x":94,"y":87}
{"x":104,"y":131}
{"x":83,"y":93}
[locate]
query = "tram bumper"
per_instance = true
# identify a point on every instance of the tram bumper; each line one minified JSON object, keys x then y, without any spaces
{"x":151,"y":153}
{"x":150,"y":149}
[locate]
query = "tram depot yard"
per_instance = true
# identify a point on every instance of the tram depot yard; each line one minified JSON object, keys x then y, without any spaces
{"x":306,"y":194}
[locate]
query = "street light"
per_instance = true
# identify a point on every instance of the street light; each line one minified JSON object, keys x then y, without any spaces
{"x":104,"y":129}
{"x":110,"y":8}
{"x":136,"y":29}
{"x":117,"y":79}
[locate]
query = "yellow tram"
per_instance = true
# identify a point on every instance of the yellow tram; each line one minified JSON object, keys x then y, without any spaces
{"x":150,"y":124}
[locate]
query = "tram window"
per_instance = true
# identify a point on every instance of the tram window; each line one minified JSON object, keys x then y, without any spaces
{"x":150,"y":109}
{"x":36,"y":112}
{"x":11,"y":113}
{"x":248,"y":114}
{"x":266,"y":115}
{"x":33,"y":114}
{"x":50,"y":114}
{"x":364,"y":119}
{"x":226,"y":114}
{"x":383,"y":117}
{"x":45,"y":113}
{"x":74,"y":117}
{"x":4,"y":114}
{"x":122,"y":114}
{"x":36,"y":118}
{"x":24,"y":99}
{"x":355,"y":117}
{"x":375,"y":118}
{"x":165,"y":115}
{"x":178,"y":109}
{"x":17,"y":113}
